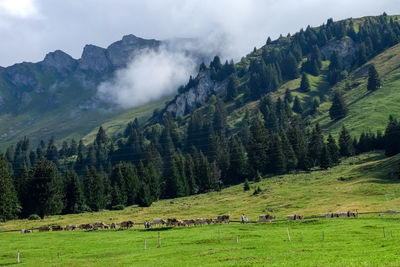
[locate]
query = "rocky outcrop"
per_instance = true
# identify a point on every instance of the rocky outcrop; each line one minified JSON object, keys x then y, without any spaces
{"x":22,"y":76}
{"x":94,"y":59}
{"x":345,"y":48}
{"x":59,"y":61}
{"x":195,"y":96}
{"x":119,"y":53}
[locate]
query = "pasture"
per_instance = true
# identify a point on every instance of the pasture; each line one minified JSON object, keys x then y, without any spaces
{"x":314,"y":242}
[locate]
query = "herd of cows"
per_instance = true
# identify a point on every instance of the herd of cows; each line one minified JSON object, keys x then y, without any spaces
{"x":174,"y":222}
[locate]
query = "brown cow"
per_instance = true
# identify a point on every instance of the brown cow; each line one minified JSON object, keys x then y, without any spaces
{"x":222,"y":219}
{"x":331,"y":215}
{"x":113,"y":225}
{"x":44,"y":228}
{"x":26,"y":231}
{"x":126,"y":224}
{"x":85,"y":227}
{"x":294,"y":217}
{"x":56,"y":228}
{"x":70,"y":227}
{"x":203,"y":221}
{"x":100,"y":225}
{"x":266,"y":218}
{"x":189,"y":222}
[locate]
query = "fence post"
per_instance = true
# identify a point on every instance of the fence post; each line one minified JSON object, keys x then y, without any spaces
{"x":288,"y":234}
{"x":145,"y":244}
{"x":18,"y":257}
{"x":159,"y":240}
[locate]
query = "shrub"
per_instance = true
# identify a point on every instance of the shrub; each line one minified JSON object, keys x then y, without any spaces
{"x":33,"y":217}
{"x":246,"y":186}
{"x":118,"y":207}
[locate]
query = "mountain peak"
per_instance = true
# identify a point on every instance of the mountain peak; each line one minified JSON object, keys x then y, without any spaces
{"x":59,"y":60}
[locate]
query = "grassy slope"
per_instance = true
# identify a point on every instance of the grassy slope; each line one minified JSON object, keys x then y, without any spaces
{"x":363,"y":182}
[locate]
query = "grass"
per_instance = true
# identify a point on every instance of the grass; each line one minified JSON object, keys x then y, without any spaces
{"x":367,"y":182}
{"x":347,"y":242}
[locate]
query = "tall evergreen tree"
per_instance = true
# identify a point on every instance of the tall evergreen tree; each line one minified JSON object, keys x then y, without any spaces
{"x":333,"y":150}
{"x":9,"y":205}
{"x":73,"y":193}
{"x":374,"y":81}
{"x":288,"y":96}
{"x":304,"y":84}
{"x":238,"y":162}
{"x":297,"y":107}
{"x":339,"y":108}
{"x":346,"y":143}
{"x":232,"y":89}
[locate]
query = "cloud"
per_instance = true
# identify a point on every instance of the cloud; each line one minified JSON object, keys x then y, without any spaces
{"x":19,"y":8}
{"x":150,"y":75}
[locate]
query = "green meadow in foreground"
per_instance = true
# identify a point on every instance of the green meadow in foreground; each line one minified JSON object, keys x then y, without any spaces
{"x":314,"y":242}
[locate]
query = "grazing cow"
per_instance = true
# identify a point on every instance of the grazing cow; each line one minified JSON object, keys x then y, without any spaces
{"x":113,"y":225}
{"x":127,"y":224}
{"x":56,"y":228}
{"x":70,"y":227}
{"x":85,"y":227}
{"x":343,"y":215}
{"x":172,"y":222}
{"x":26,"y":231}
{"x":158,"y":222}
{"x":44,"y":228}
{"x":189,"y":222}
{"x":352,"y":214}
{"x":202,"y":221}
{"x":100,"y":225}
{"x":294,"y":217}
{"x":266,"y":218}
{"x":222,"y":219}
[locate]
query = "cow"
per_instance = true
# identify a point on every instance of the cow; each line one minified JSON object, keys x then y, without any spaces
{"x":294,"y":217}
{"x":113,"y":225}
{"x":331,"y":215}
{"x":100,"y":225}
{"x":222,"y":219}
{"x":56,"y":228}
{"x":189,"y":222}
{"x":26,"y":231}
{"x":158,"y":221}
{"x":126,"y":224}
{"x":266,"y":218}
{"x":44,"y":228}
{"x":70,"y":227}
{"x":85,"y":227}
{"x":352,"y":214}
{"x":202,"y":221}
{"x":343,"y":215}
{"x":172,"y":222}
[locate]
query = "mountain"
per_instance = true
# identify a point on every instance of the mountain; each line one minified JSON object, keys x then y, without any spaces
{"x":58,"y":95}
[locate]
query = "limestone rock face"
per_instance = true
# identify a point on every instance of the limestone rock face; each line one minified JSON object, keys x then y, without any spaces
{"x":196,"y":96}
{"x":345,"y":47}
{"x":60,"y":61}
{"x":94,"y":59}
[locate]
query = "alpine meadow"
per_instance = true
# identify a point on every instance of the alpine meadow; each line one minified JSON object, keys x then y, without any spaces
{"x":170,"y":153}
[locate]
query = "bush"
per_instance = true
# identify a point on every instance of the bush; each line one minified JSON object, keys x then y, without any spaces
{"x":33,"y":217}
{"x":118,"y":207}
{"x":246,"y":186}
{"x":257,"y":191}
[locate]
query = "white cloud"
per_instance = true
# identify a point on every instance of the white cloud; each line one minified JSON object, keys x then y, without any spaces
{"x":19,"y":8}
{"x":150,"y":75}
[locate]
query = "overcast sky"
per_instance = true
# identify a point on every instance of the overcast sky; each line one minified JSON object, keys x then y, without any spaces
{"x":31,"y":28}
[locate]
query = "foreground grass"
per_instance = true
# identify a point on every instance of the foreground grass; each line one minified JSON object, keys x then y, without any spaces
{"x":347,"y":242}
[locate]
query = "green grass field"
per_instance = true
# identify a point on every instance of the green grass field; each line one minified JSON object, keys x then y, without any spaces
{"x":347,"y":242}
{"x":367,"y":182}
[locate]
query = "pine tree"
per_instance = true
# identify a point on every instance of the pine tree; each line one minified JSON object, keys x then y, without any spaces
{"x":374,"y":83}
{"x":392,"y":137}
{"x":232,"y":89}
{"x":73,"y":192}
{"x":315,"y":145}
{"x":304,"y":84}
{"x":94,"y":189}
{"x":238,"y":162}
{"x":339,"y":108}
{"x":258,"y":147}
{"x":325,"y":160}
{"x":288,"y":96}
{"x":9,"y":205}
{"x":45,"y":188}
{"x":278,"y":160}
{"x":297,"y":106}
{"x":346,"y":143}
{"x":333,"y":150}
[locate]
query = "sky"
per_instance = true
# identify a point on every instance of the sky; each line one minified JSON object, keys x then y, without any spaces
{"x":31,"y":28}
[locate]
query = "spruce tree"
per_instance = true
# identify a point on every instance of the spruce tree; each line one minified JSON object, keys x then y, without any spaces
{"x":304,"y":84}
{"x":73,"y":193}
{"x":297,"y":107}
{"x":45,"y":188}
{"x":278,"y":160}
{"x":288,"y":96}
{"x":333,"y":150}
{"x":238,"y":162}
{"x":246,"y":185}
{"x":374,"y":82}
{"x":325,"y":160}
{"x":9,"y":205}
{"x":339,"y":108}
{"x":346,"y":143}
{"x":232,"y":89}
{"x":392,"y":137}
